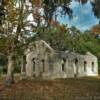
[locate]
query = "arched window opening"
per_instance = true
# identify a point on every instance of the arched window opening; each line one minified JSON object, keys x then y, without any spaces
{"x":85,"y":65}
{"x":76,"y":67}
{"x":92,"y":66}
{"x":63,"y":64}
{"x":43,"y":65}
{"x":33,"y":60}
{"x":76,"y":61}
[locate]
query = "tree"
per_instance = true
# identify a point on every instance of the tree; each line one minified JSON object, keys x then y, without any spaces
{"x":96,"y":8}
{"x":14,"y":24}
{"x":95,"y":30}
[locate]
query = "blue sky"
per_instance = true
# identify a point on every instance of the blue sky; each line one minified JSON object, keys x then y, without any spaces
{"x":83,"y":17}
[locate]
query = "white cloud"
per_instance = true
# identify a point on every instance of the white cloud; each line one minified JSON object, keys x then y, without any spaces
{"x":75,"y":18}
{"x":74,"y":4}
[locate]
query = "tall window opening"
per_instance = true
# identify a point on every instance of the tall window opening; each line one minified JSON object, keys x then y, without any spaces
{"x":63,"y":64}
{"x":33,"y":60}
{"x":85,"y":65}
{"x":76,"y":67}
{"x":43,"y":65}
{"x":76,"y":61}
{"x":93,"y":66}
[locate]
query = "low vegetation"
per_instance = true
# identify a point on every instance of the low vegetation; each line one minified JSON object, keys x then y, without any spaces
{"x":60,"y":89}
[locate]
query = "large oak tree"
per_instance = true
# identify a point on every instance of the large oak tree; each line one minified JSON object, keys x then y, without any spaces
{"x":16,"y":29}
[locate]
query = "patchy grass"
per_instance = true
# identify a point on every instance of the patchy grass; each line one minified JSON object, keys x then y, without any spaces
{"x":60,"y":89}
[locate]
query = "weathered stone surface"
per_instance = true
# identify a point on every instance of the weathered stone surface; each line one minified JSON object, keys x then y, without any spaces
{"x":44,"y":62}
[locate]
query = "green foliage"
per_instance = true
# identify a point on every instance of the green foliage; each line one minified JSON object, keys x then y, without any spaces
{"x":74,"y":41}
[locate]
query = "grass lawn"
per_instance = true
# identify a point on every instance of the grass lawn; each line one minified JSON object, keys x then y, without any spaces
{"x":60,"y":89}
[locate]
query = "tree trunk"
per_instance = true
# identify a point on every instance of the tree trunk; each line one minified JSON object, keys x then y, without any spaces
{"x":10,"y":70}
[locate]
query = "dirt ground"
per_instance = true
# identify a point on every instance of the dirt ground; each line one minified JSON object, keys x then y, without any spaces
{"x":60,"y":89}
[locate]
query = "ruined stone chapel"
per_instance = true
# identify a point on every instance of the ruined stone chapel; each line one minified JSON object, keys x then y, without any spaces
{"x":42,"y":61}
